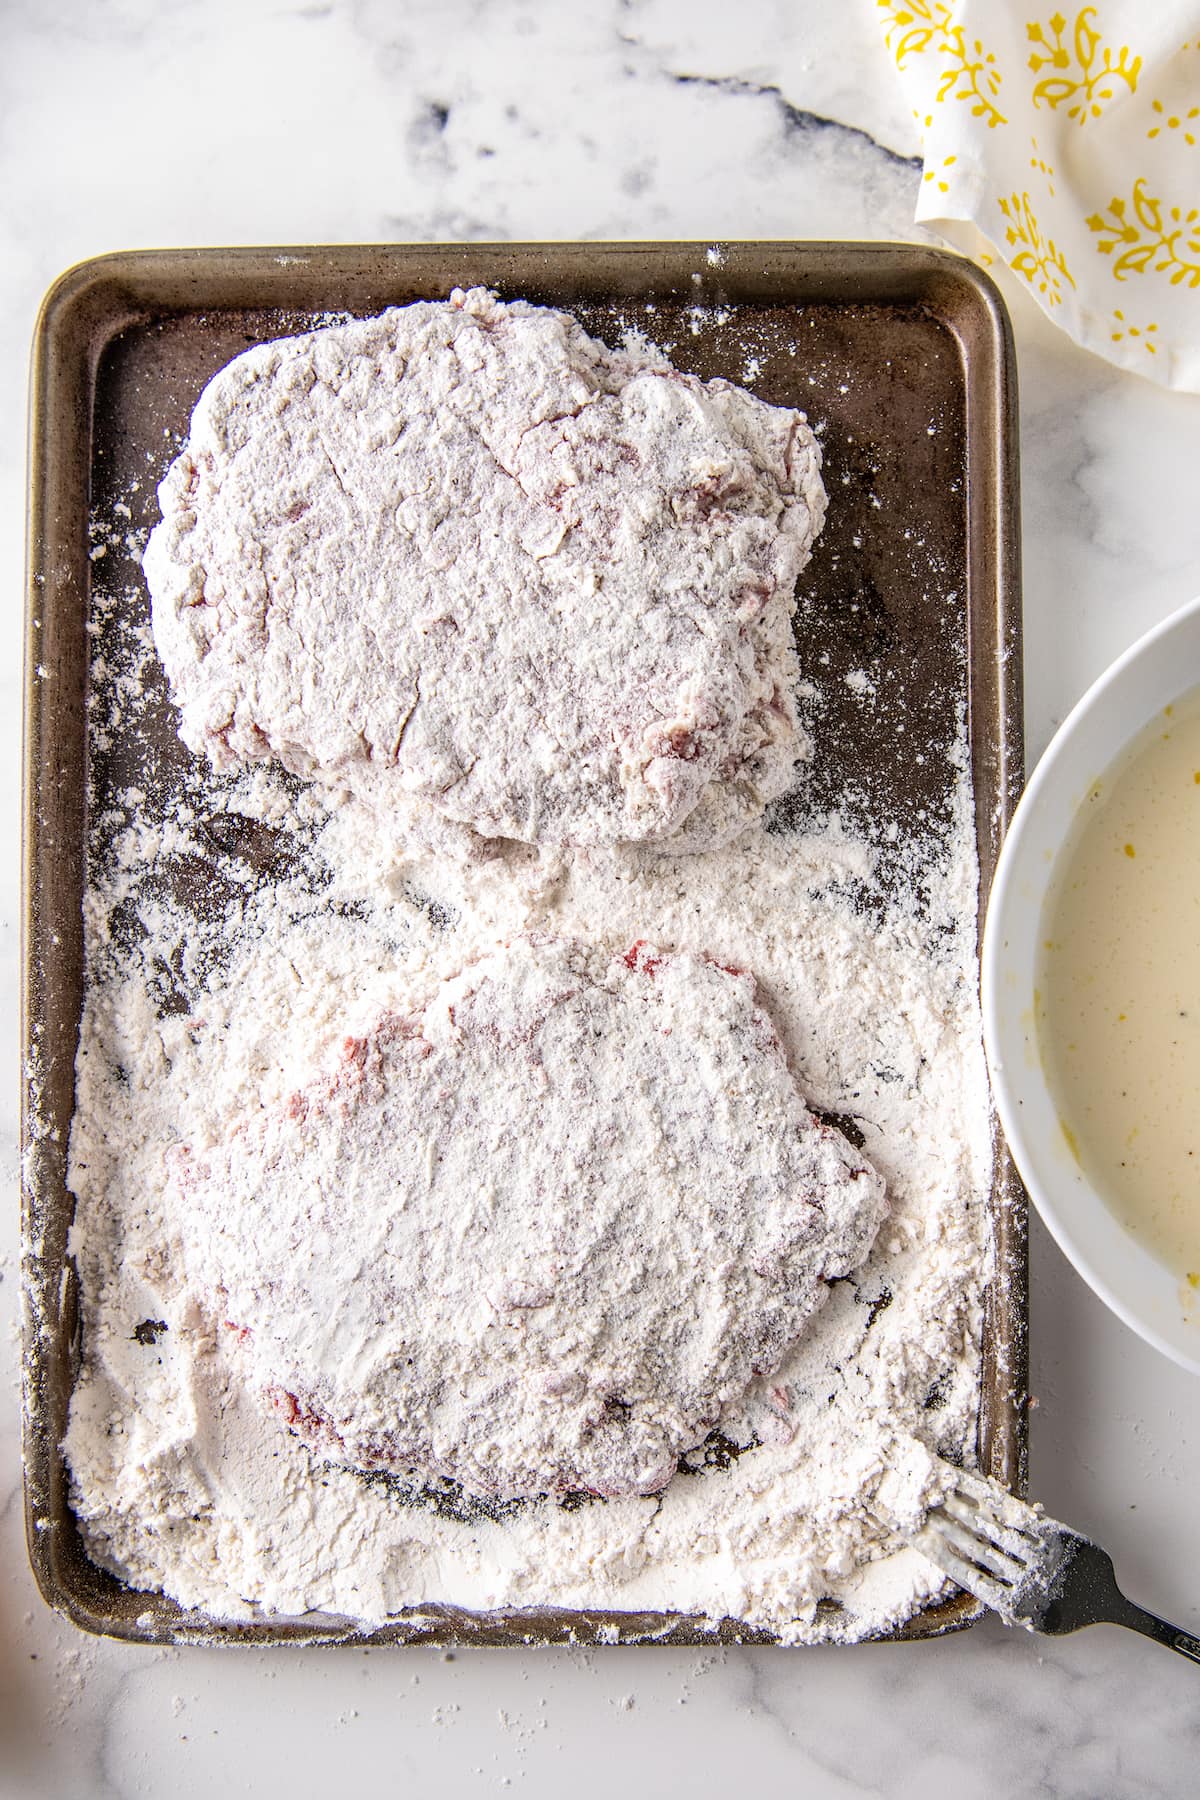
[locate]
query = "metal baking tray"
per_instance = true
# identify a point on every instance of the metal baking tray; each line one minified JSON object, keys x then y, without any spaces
{"x":893,"y":337}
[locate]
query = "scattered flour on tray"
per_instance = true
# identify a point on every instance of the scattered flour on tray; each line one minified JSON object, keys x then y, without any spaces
{"x":178,"y":1479}
{"x":239,"y":928}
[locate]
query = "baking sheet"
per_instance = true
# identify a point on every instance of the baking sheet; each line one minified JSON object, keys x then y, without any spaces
{"x":901,"y":356}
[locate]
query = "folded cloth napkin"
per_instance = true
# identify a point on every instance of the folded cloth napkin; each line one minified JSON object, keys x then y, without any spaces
{"x":1071,"y":142}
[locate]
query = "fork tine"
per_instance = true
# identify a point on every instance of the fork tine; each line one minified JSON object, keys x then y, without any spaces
{"x":1019,"y":1545}
{"x":933,"y":1545}
{"x":975,"y":1548}
{"x":994,"y":1503}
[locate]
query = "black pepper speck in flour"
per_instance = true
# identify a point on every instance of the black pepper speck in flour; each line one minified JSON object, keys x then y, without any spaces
{"x":239,"y":928}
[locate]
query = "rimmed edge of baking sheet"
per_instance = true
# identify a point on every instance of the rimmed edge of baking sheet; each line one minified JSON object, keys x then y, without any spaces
{"x":82,"y":313}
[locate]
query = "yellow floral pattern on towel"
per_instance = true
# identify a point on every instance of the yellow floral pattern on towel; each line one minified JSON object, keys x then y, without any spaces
{"x":1035,"y":256}
{"x":1173,"y":122}
{"x":1069,"y":140}
{"x":1144,"y":335}
{"x":967,"y":71}
{"x":1086,"y":74}
{"x":1147,"y":229}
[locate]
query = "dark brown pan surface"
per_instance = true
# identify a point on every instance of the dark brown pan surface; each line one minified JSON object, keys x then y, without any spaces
{"x":902,"y":358}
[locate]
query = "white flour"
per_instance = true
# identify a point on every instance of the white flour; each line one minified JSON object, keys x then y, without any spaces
{"x":533,"y":1233}
{"x":464,"y":552}
{"x":181,"y":1483}
{"x":234,"y":946}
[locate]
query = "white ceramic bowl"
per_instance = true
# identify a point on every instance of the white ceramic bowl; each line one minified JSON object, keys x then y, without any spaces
{"x":1158,"y":669}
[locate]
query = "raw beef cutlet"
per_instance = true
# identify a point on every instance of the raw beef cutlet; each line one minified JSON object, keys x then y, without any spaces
{"x":465,"y":553}
{"x":569,"y":1208}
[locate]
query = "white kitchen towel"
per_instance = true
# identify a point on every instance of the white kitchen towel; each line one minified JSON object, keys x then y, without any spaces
{"x":1071,"y":142}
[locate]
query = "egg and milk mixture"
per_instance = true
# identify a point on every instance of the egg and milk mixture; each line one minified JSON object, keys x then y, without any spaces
{"x":1118,"y":997}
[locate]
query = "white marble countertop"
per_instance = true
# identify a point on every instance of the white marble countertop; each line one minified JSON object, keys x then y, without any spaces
{"x":161,"y":122}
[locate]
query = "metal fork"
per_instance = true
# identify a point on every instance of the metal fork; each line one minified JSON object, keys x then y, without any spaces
{"x":1030,"y":1569}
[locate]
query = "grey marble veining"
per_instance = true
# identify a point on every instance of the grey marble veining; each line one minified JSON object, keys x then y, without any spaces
{"x":147,"y":122}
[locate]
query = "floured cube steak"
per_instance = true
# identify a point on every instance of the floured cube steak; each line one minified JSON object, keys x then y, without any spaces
{"x":465,"y":556}
{"x":533,"y":1234}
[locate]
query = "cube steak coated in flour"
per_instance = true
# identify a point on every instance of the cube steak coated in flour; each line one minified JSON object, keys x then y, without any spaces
{"x":534,"y":1234}
{"x":464,"y":555}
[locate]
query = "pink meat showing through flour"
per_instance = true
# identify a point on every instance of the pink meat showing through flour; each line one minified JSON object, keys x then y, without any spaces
{"x":534,"y":1234}
{"x":470,"y":563}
